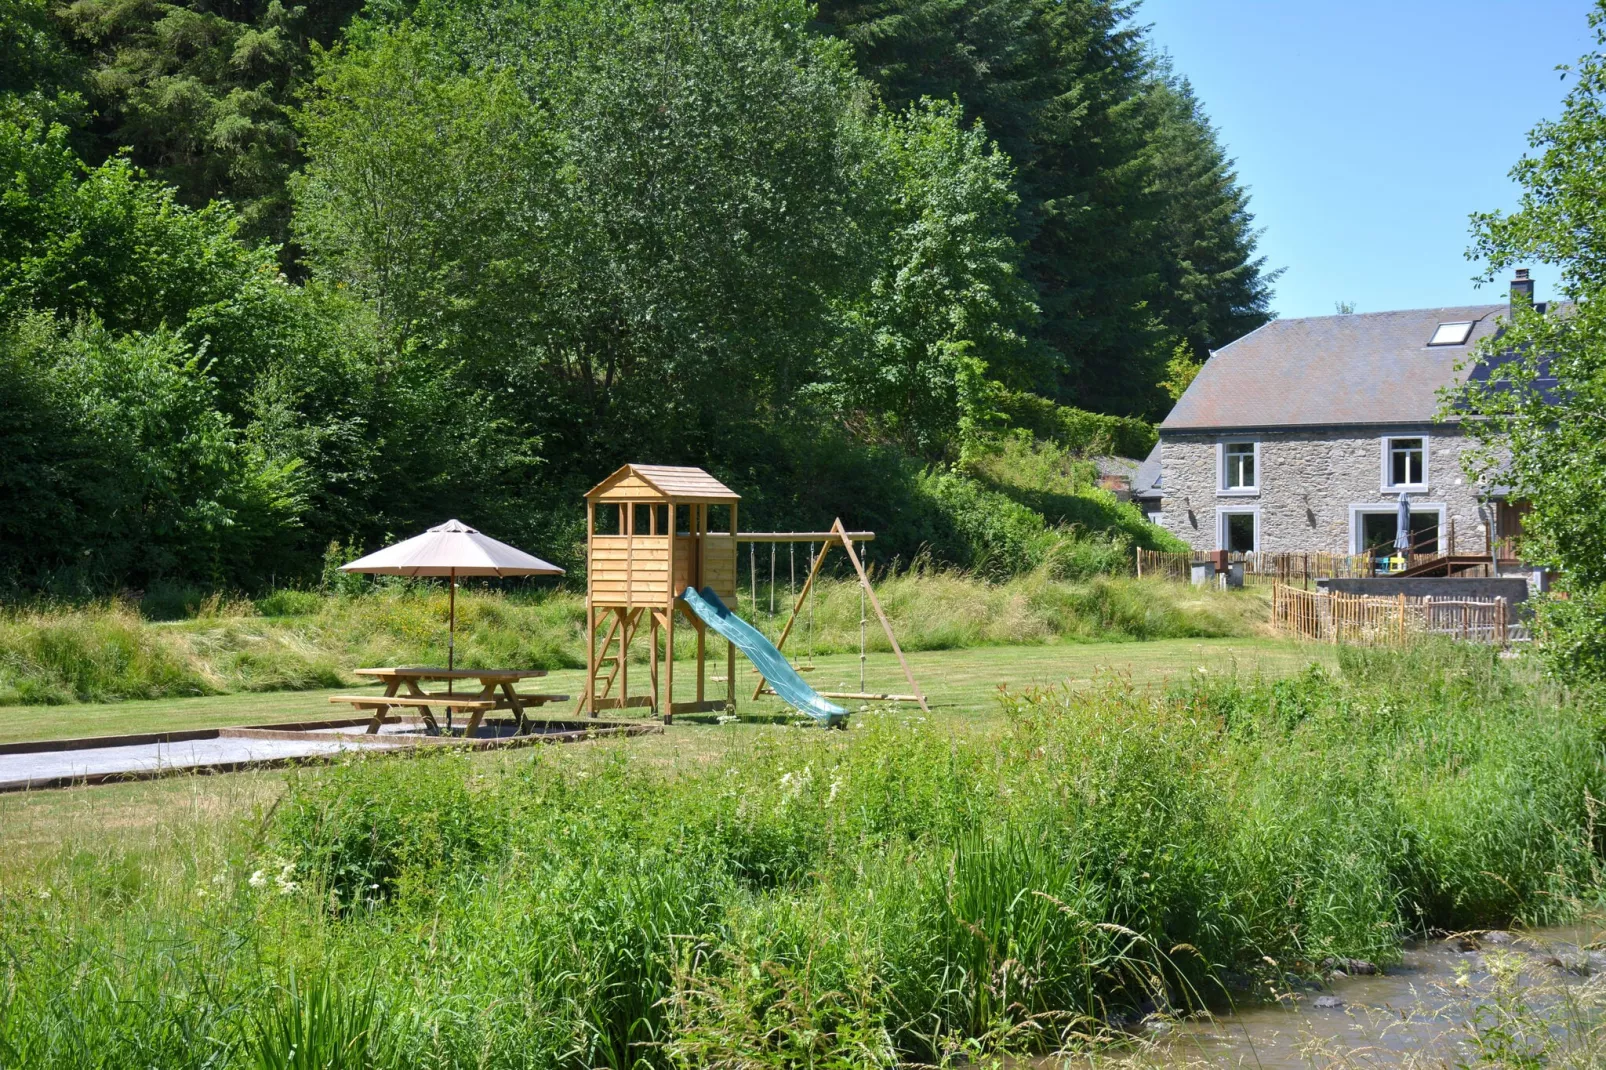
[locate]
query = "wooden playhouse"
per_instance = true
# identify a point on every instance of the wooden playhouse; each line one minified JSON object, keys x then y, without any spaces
{"x":651,"y":532}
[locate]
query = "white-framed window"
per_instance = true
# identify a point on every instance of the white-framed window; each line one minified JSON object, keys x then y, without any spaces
{"x":1405,"y":462}
{"x":1238,"y":467}
{"x":1238,"y":529}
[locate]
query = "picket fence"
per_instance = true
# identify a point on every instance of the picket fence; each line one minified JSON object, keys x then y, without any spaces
{"x":1359,"y":618}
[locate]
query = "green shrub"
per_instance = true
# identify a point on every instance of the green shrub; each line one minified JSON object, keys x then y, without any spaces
{"x":1087,"y":433}
{"x":991,"y":534}
{"x":1059,"y":483}
{"x":171,"y":601}
{"x":367,"y":830}
{"x":289,"y":603}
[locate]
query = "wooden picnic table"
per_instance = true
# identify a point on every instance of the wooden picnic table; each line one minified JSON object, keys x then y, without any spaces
{"x":495,"y":693}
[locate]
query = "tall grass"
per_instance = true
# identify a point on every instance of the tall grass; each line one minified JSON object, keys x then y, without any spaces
{"x":900,"y":892}
{"x":98,"y":654}
{"x":298,"y":640}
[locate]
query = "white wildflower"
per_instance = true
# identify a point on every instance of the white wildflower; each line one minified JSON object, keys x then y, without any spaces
{"x":836,"y":786}
{"x":259,"y":879}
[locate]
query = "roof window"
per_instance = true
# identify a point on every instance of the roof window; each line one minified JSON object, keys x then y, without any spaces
{"x":1451,"y":334}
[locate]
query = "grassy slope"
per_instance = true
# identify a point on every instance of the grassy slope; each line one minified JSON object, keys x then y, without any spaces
{"x":107,"y":652}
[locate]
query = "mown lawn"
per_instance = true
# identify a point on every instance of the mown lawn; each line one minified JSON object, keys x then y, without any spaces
{"x":960,"y":683}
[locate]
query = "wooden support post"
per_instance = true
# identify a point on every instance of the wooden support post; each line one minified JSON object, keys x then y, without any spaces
{"x":1402,"y":618}
{"x":625,"y":636}
{"x":864,"y":578}
{"x":652,"y":657}
{"x":588,"y":698}
{"x":668,"y":697}
{"x":588,"y":703}
{"x":702,"y":635}
{"x":730,"y":647}
{"x":669,"y":665}
{"x":627,"y":516}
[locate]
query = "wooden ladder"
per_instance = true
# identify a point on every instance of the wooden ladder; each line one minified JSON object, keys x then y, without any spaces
{"x":611,"y":661}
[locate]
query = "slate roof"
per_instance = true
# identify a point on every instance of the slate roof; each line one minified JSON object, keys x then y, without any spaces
{"x":1372,"y":368}
{"x":1112,"y":465}
{"x":1146,"y":484}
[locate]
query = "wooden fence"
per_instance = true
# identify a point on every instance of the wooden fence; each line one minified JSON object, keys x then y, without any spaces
{"x":1359,"y":618}
{"x":1165,"y":565}
{"x":1303,"y":569}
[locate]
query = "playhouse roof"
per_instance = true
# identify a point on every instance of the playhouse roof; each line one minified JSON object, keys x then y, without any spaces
{"x":660,"y":482}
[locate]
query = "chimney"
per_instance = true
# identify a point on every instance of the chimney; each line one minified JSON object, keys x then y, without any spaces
{"x":1522,"y":290}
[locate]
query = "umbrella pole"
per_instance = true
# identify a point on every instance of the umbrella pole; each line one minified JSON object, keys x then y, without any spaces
{"x":451,"y":639}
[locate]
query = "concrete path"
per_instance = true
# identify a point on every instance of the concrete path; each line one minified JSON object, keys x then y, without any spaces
{"x":48,"y":768}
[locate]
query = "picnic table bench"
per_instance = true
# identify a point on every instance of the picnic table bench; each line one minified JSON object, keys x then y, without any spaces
{"x":496,"y":693}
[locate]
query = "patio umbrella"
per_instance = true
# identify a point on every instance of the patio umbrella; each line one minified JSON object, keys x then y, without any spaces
{"x":1402,"y":538}
{"x":452,"y":549}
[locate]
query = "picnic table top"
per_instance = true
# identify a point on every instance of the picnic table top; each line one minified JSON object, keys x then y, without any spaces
{"x":417,"y":672}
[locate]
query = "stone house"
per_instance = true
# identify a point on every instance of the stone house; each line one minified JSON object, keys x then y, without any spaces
{"x":1303,"y":435}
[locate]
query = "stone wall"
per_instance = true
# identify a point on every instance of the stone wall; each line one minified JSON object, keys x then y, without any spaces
{"x":1308,"y":483}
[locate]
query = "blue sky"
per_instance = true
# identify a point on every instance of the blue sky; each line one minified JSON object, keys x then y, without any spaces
{"x":1368,"y":131}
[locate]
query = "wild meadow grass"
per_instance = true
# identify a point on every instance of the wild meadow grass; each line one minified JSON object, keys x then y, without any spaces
{"x":901,"y":892}
{"x":298,"y":640}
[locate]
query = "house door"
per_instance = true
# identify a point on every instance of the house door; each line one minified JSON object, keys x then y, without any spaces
{"x":1509,"y":519}
{"x":1238,"y":532}
{"x":1379,"y":529}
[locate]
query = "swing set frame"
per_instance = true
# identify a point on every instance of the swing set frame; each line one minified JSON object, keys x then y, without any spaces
{"x":840,"y":536}
{"x":636,"y":577}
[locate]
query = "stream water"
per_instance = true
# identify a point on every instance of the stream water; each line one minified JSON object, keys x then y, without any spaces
{"x":1418,"y":1013}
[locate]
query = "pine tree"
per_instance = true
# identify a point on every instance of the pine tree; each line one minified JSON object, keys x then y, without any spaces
{"x":1213,"y":287}
{"x":1136,"y":232}
{"x":200,"y":93}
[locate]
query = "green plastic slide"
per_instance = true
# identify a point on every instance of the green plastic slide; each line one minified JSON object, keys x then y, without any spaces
{"x":791,"y":687}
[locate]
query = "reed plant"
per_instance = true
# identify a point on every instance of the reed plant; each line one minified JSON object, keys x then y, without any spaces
{"x":904,"y":891}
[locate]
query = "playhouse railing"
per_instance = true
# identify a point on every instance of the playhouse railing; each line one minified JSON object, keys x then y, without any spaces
{"x":1260,"y":568}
